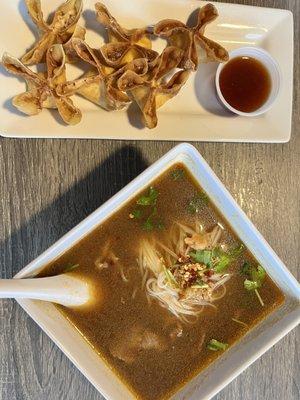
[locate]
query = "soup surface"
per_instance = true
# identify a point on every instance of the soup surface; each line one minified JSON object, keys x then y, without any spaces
{"x":157,"y":328}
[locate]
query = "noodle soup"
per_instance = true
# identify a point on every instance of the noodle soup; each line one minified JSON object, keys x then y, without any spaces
{"x":177,"y":287}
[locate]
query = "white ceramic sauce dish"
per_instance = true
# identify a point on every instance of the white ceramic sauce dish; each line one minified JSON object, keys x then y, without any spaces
{"x":233,"y":361}
{"x":270,"y":64}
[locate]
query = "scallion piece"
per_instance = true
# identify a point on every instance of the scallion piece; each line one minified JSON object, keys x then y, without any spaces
{"x":70,"y":268}
{"x":170,"y":277}
{"x":215,"y":345}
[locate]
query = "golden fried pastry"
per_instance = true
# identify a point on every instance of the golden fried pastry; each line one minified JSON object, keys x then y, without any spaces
{"x":197,"y":48}
{"x":62,"y":28}
{"x":124,"y":45}
{"x":151,"y":90}
{"x":125,"y":69}
{"x":101,"y":88}
{"x":45,"y":90}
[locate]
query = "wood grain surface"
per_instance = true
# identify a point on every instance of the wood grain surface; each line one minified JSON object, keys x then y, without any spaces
{"x":48,"y":186}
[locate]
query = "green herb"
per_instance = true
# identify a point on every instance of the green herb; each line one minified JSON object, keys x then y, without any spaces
{"x":255,"y":278}
{"x":160,"y":225}
{"x":215,"y":345}
{"x":258,"y":274}
{"x":224,"y":259}
{"x":148,"y":224}
{"x":246,"y":268}
{"x":250,"y":285}
{"x":197,"y":203}
{"x":237,"y":251}
{"x":177,"y":174}
{"x":71,"y":267}
{"x":137,"y":214}
{"x":223,"y":263}
{"x":254,"y":274}
{"x":150,"y":199}
{"x":202,"y":257}
{"x":216,"y":258}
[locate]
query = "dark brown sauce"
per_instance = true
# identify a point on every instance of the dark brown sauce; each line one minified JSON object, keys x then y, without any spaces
{"x":245,"y":83}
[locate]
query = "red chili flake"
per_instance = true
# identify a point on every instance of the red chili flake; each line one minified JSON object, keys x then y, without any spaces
{"x":208,"y":273}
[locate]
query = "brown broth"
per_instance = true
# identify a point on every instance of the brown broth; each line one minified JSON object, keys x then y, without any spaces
{"x":245,"y":83}
{"x":156,"y":375}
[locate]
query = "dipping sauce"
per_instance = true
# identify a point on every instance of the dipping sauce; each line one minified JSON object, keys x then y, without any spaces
{"x":245,"y":83}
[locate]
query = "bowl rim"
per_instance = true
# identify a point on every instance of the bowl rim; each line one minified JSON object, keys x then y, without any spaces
{"x":248,"y":51}
{"x":73,"y":345}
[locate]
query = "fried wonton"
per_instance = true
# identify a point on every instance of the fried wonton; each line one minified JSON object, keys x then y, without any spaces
{"x":152,"y":90}
{"x":60,"y":31}
{"x":197,"y":48}
{"x":101,"y":88}
{"x":124,"y":45}
{"x":45,"y":90}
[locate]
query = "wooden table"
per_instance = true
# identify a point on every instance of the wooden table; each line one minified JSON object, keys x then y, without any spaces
{"x":48,"y":186}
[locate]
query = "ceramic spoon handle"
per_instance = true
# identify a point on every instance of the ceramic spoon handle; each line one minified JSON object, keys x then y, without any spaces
{"x":62,"y":289}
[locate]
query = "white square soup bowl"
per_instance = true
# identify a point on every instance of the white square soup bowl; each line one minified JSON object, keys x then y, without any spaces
{"x":233,"y":361}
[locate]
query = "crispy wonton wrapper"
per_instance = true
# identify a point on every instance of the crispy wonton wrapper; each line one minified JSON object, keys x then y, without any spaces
{"x":45,"y":90}
{"x":197,"y":48}
{"x":151,"y":90}
{"x":101,"y":88}
{"x":60,"y":31}
{"x":124,"y":45}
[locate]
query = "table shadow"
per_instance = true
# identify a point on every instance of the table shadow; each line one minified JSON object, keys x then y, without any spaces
{"x":206,"y":93}
{"x":47,"y":226}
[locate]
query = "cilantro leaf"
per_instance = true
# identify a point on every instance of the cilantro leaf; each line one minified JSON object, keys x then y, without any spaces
{"x":237,"y":251}
{"x":150,"y":199}
{"x":137,"y":214}
{"x":223,"y":263}
{"x":246,"y":268}
{"x":202,"y":256}
{"x":177,"y":174}
{"x":217,"y":259}
{"x":254,"y":274}
{"x":197,"y":203}
{"x":250,"y":285}
{"x":258,"y":274}
{"x":148,"y":225}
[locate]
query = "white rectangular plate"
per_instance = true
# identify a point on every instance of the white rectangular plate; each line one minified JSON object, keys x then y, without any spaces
{"x":195,"y":114}
{"x":232,"y":362}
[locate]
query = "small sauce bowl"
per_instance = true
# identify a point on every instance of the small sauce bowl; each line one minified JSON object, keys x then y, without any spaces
{"x":272,"y":67}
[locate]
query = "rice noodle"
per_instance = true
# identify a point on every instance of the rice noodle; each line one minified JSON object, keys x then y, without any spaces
{"x":184,"y":304}
{"x":174,"y":255}
{"x":187,"y":229}
{"x":200,"y":345}
{"x":215,"y":235}
{"x":198,"y":227}
{"x":123,"y":275}
{"x":101,"y":265}
{"x":134,"y":293}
